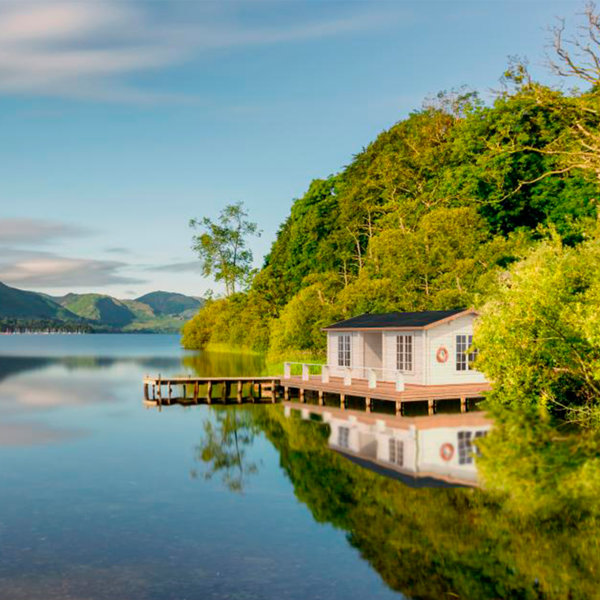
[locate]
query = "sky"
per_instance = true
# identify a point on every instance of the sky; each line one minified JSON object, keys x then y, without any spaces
{"x":120,"y":121}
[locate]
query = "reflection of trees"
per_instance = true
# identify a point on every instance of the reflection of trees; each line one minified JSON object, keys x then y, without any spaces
{"x":224,"y":445}
{"x":436,"y":542}
{"x":224,"y":364}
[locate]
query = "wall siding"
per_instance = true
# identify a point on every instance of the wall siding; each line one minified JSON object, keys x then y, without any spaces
{"x":445,"y":335}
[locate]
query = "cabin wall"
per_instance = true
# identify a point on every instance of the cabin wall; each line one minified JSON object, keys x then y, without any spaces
{"x":461,"y":464}
{"x":389,"y":356}
{"x":357,"y":353}
{"x":444,"y":335}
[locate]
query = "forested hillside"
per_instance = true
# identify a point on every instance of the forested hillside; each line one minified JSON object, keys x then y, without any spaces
{"x":425,"y":217}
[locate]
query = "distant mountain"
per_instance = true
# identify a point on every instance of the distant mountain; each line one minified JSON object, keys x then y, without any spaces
{"x":157,"y":311}
{"x":16,"y":303}
{"x":99,"y":308}
{"x":168,"y":303}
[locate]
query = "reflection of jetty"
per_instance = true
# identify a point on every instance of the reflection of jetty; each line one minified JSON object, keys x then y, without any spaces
{"x":323,"y":391}
{"x":421,"y":451}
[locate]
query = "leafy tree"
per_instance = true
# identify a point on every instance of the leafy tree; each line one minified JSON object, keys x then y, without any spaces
{"x":223,"y":246}
{"x":539,"y":334}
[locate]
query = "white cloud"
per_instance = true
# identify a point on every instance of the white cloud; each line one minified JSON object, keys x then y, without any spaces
{"x":86,"y":49}
{"x":37,"y":231}
{"x":30,"y":269}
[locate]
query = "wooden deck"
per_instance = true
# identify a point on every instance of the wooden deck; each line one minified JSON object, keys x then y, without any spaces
{"x":167,"y":390}
{"x":385,"y":391}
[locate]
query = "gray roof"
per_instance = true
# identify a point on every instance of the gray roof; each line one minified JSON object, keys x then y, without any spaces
{"x":396,"y":319}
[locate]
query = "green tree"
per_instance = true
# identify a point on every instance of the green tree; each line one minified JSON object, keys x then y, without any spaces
{"x":222,"y":246}
{"x":539,"y":334}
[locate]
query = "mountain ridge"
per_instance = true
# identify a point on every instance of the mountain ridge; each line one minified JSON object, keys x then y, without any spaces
{"x":161,"y":312}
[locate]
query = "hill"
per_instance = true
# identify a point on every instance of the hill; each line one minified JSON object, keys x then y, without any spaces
{"x":103,"y":310}
{"x":15,"y":303}
{"x":163,"y":312}
{"x":168,"y":303}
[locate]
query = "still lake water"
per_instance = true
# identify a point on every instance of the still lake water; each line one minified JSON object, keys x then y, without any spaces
{"x":102,"y":498}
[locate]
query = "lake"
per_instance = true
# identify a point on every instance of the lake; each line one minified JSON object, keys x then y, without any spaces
{"x":103,"y":498}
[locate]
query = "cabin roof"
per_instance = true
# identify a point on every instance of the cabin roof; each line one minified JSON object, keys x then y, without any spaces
{"x":396,"y":320}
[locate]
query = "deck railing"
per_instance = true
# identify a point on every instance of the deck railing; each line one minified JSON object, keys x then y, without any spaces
{"x":372,"y":374}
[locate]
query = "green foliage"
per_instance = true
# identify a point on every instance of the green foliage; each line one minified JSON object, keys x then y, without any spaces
{"x":428,"y":214}
{"x":539,"y":335}
{"x":223,"y":246}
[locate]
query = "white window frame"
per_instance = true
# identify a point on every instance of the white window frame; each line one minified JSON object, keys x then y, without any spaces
{"x":344,"y":357}
{"x":396,"y":451}
{"x":464,"y":360}
{"x":344,"y":437}
{"x":405,"y":352}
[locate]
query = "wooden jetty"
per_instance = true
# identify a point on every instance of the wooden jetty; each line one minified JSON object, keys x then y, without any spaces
{"x":335,"y":391}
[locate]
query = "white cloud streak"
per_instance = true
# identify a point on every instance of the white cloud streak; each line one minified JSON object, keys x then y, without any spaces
{"x":31,"y":269}
{"x":87,"y":50}
{"x":36,"y":231}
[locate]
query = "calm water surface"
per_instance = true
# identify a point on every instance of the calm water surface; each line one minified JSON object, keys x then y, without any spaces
{"x":102,"y":498}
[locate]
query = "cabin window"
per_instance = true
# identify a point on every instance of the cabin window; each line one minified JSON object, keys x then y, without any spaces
{"x":464,"y":359}
{"x":466,"y":449}
{"x":396,"y":452}
{"x":404,"y":352}
{"x":343,"y":437}
{"x":344,"y":350}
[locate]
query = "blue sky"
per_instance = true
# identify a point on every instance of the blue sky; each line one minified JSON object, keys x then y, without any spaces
{"x":122,"y":120}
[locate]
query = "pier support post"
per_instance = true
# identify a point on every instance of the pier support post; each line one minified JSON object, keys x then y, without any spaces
{"x":208,"y":392}
{"x":301,"y":395}
{"x":196,"y":392}
{"x":239,"y":392}
{"x":146,"y":392}
{"x":286,"y":393}
{"x":368,"y":405}
{"x":399,"y":407}
{"x":273,"y":392}
{"x":224,"y":392}
{"x":342,"y":401}
{"x":463,"y":405}
{"x":430,"y":407}
{"x":169,"y":391}
{"x":184,"y":391}
{"x":320,"y":397}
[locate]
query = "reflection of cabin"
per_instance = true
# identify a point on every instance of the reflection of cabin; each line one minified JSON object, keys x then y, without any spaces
{"x":439,"y":447}
{"x":424,"y":348}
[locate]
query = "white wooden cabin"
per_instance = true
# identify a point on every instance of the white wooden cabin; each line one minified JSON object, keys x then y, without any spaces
{"x":424,"y":348}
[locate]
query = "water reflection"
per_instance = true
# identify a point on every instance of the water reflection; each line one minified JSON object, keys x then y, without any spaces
{"x":224,"y":446}
{"x":354,"y":505}
{"x":422,"y":451}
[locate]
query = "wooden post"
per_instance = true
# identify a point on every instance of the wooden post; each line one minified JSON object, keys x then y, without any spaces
{"x":342,"y":401}
{"x":208,"y":392}
{"x":399,"y":410}
{"x":196,"y":391}
{"x":224,"y":391}
{"x":286,"y":393}
{"x":320,"y":397}
{"x":273,"y":391}
{"x":146,"y":391}
{"x":463,"y":405}
{"x":169,"y":391}
{"x":259,"y":391}
{"x":239,"y":392}
{"x":368,"y":405}
{"x":430,"y":406}
{"x":159,"y":388}
{"x":301,"y":394}
{"x":184,"y":391}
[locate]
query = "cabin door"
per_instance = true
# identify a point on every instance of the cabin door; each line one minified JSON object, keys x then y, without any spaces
{"x":373,"y":349}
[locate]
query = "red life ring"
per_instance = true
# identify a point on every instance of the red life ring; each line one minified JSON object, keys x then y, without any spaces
{"x":441,"y":355}
{"x":447,"y":452}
